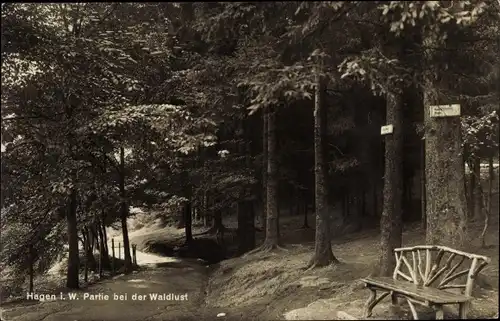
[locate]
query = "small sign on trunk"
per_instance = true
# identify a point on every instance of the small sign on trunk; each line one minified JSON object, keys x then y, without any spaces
{"x":445,"y":110}
{"x":387,"y":129}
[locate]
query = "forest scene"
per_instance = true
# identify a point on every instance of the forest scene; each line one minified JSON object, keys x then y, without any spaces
{"x":249,"y":160}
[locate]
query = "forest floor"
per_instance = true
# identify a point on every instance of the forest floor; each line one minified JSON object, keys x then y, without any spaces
{"x":265,"y":286}
{"x":260,"y":286}
{"x":273,"y":286}
{"x":276,"y":285}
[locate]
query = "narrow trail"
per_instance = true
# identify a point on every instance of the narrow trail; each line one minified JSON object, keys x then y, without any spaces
{"x":161,"y":291}
{"x":164,"y":288}
{"x":143,"y":258}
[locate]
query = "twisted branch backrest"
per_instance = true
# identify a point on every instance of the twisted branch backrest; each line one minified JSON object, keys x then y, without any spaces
{"x":436,"y":266}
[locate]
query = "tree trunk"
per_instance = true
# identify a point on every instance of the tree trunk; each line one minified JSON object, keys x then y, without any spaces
{"x":73,"y":256}
{"x":182,"y":220}
{"x":376,"y":203}
{"x":363,"y":205}
{"x":491,"y":179}
{"x":246,"y":229}
{"x":407,"y":205}
{"x":89,"y":251}
{"x":278,"y":213}
{"x":369,"y":203}
{"x":31,"y":272}
{"x":85,"y":250}
{"x":272,"y":234}
{"x":422,"y":187}
{"x":391,"y":221}
{"x":95,"y":237}
{"x":356,"y":208}
{"x":217,"y":222}
{"x":444,"y":176}
{"x":489,"y":205}
{"x":470,"y":190}
{"x":91,"y":240}
{"x":205,"y":209}
{"x":291,"y":201}
{"x":345,"y":205}
{"x":104,"y":235}
{"x":306,"y":222}
{"x":298,"y":204}
{"x":323,"y":254}
{"x":103,"y":248}
{"x":245,"y":208}
{"x":189,"y":224}
{"x":124,"y":214}
{"x":477,"y":190}
{"x":265,"y":159}
{"x":304,"y":209}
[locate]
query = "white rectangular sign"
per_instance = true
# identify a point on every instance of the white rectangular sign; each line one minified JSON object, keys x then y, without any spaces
{"x":388,"y":129}
{"x":445,"y":110}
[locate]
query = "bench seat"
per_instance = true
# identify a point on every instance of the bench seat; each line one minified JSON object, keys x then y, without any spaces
{"x":423,"y":275}
{"x":432,"y":295}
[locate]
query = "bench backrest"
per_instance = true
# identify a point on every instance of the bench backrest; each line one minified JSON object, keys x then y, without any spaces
{"x":438,"y":267}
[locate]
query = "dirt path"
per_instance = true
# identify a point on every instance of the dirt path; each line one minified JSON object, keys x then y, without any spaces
{"x":165,"y":288}
{"x":178,"y":287}
{"x":145,"y":259}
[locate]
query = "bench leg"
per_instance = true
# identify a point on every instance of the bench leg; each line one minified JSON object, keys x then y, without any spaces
{"x":412,"y":308}
{"x":394,"y":299}
{"x":462,"y":310}
{"x":369,"y":302}
{"x":439,"y":312}
{"x":373,"y":301}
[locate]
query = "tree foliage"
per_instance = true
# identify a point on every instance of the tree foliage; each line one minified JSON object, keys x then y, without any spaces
{"x":177,"y":85}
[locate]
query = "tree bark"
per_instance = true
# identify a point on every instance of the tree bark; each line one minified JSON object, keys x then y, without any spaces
{"x":188,"y":228}
{"x":304,"y":209}
{"x":205,"y":209}
{"x":31,"y":272}
{"x":357,"y":207}
{"x":245,"y":206}
{"x":278,"y":213}
{"x":491,"y":179}
{"x":323,"y":254}
{"x":89,"y":256}
{"x":476,"y":189}
{"x":291,"y":201}
{"x":85,"y":249}
{"x":345,"y":205}
{"x":298,"y":204}
{"x":422,"y":188}
{"x":217,"y":221}
{"x":72,"y":281}
{"x":95,"y":237}
{"x":272,"y":234}
{"x":90,"y":250}
{"x":469,"y":192}
{"x":103,"y":246}
{"x":264,"y":168}
{"x":104,"y":234}
{"x":124,"y":214}
{"x":391,"y":220}
{"x":246,"y":228}
{"x":182,"y":219}
{"x":444,"y":176}
{"x":369,"y":201}
{"x":489,"y":205}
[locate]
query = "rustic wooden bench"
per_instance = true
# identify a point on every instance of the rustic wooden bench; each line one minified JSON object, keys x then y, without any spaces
{"x":425,"y":281}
